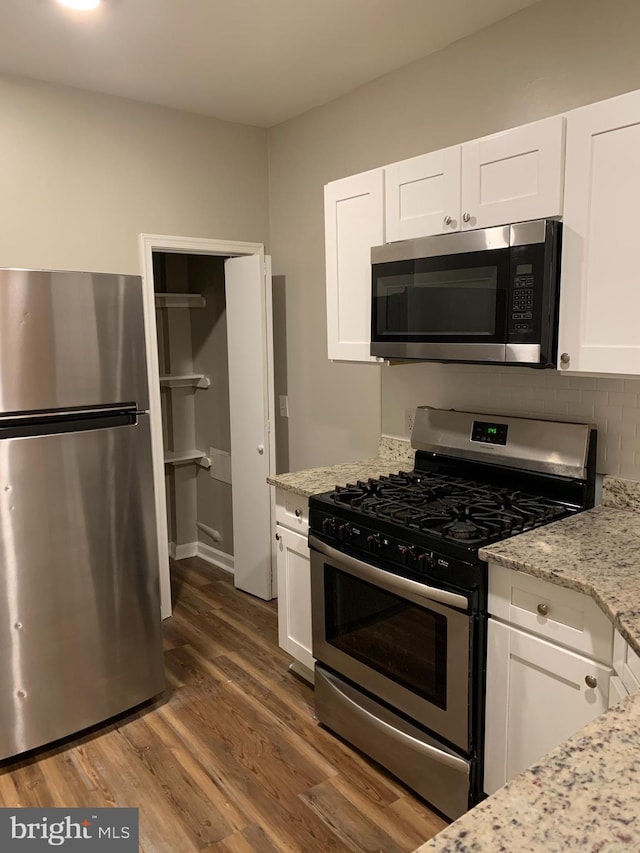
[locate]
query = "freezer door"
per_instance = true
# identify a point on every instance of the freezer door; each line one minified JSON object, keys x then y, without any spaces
{"x":79,"y":600}
{"x":70,"y":339}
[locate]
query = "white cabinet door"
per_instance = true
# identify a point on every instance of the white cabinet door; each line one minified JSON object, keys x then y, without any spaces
{"x":537,"y":696}
{"x":354,"y":222}
{"x":600,"y":292}
{"x":422,"y":195}
{"x":514,"y":176}
{"x":294,"y":595}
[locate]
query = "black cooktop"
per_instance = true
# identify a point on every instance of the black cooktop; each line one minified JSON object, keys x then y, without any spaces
{"x":450,"y":509}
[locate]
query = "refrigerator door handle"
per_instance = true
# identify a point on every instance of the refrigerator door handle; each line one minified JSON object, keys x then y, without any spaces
{"x":37,"y":425}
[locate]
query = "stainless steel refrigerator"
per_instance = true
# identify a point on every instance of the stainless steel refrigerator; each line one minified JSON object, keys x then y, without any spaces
{"x":80,"y":621}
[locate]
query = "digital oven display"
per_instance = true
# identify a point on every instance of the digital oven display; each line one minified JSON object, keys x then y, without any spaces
{"x":489,"y":433}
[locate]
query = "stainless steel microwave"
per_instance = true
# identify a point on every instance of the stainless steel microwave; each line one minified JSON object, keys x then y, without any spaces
{"x":489,"y":295}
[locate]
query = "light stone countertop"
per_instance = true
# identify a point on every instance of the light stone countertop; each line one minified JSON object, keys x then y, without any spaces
{"x":585,"y":794}
{"x":393,"y":455}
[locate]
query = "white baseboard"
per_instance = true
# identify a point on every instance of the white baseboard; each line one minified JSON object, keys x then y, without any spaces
{"x":181,"y":552}
{"x":215,"y":557}
{"x":206,"y":552}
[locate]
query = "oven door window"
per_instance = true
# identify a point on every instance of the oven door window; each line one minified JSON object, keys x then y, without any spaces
{"x":401,"y":640}
{"x":450,"y":299}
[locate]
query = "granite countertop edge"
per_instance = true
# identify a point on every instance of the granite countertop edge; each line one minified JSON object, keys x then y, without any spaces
{"x":394,"y":454}
{"x":573,"y":553}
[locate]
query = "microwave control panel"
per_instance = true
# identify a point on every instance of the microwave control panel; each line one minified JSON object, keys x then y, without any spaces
{"x":522,"y":303}
{"x":524,"y":300}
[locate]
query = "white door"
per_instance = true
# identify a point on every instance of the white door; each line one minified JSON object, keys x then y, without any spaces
{"x":599,"y":295}
{"x":513,"y":176}
{"x":248,"y":298}
{"x":354,"y":222}
{"x":422,"y":195}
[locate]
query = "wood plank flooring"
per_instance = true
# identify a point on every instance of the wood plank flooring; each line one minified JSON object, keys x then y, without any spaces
{"x":230,"y":758}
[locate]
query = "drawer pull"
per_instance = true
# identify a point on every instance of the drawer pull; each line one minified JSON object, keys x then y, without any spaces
{"x":543,"y":609}
{"x":298,"y":513}
{"x":591,"y":681}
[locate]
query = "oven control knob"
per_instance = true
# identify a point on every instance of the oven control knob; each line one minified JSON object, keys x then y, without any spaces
{"x":426,"y":561}
{"x":330,"y":526}
{"x":409,"y":553}
{"x":346,"y":531}
{"x":374,"y":541}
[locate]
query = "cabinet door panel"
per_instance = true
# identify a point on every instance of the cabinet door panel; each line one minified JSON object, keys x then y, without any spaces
{"x":422,"y":195}
{"x":617,"y":691}
{"x":599,"y":294}
{"x":294,"y":596}
{"x":354,"y":222}
{"x":514,"y":176}
{"x":537,"y":697}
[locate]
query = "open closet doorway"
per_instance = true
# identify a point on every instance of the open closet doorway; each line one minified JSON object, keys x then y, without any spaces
{"x":212,"y":442}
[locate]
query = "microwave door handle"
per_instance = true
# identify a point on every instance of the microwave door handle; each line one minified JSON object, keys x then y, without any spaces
{"x":387,"y":580}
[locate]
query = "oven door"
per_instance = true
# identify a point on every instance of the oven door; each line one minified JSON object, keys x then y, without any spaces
{"x":442,"y":297}
{"x":403,"y":641}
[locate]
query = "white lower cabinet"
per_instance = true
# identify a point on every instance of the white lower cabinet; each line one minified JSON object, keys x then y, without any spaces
{"x":538,"y":695}
{"x":294,"y":580}
{"x":550,"y":652}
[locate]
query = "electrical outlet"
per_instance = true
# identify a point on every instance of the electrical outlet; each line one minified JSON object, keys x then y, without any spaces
{"x":409,"y":418}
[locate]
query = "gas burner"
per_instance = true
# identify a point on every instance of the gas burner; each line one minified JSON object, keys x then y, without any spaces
{"x":463,"y":529}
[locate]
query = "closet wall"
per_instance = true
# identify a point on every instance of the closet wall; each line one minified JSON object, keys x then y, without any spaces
{"x":192,"y":350}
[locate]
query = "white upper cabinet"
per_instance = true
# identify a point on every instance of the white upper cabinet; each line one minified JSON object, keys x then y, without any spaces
{"x":600,"y":292}
{"x":508,"y":177}
{"x":514,"y":176}
{"x":354,"y":222}
{"x":422,"y":195}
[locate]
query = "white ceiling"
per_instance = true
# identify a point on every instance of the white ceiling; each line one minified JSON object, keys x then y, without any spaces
{"x":257,"y":62}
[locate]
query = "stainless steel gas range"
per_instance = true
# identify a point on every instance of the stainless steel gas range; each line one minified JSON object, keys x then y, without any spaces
{"x":399,"y":594}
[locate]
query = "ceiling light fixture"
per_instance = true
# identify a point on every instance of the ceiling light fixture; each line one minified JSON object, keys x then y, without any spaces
{"x":85,"y":5}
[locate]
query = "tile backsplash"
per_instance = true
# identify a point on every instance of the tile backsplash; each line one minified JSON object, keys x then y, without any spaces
{"x":611,"y":403}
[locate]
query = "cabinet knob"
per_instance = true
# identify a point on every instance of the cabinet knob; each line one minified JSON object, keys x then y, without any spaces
{"x":260,"y":449}
{"x":591,"y":681}
{"x":543,"y":609}
{"x":448,"y":220}
{"x":565,"y":358}
{"x":277,"y":537}
{"x":298,"y":513}
{"x":466,"y":217}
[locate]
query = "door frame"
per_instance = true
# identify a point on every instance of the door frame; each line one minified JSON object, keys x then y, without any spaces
{"x":148,"y":244}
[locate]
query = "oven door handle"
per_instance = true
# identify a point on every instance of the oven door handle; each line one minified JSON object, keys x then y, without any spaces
{"x":387,"y":580}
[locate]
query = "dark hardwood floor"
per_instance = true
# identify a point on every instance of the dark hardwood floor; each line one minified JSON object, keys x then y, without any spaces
{"x":230,"y":758}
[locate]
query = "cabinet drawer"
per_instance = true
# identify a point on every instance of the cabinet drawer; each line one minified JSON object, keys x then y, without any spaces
{"x":292,"y":511}
{"x":562,"y":615}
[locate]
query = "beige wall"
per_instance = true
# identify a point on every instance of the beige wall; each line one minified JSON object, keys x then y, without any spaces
{"x":551,"y":57}
{"x":82,"y":175}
